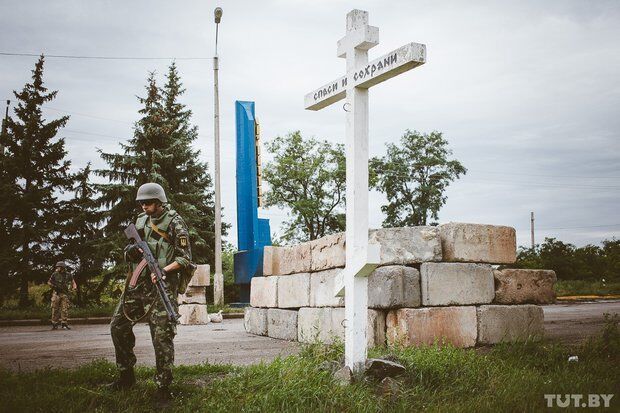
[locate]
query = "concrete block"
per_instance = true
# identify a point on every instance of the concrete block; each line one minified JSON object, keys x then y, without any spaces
{"x":426,"y":326}
{"x":282,"y":324}
{"x":409,"y":245}
{"x":193,"y":314}
{"x":270,"y":260}
{"x":264,"y":291}
{"x":497,"y":323}
{"x":294,"y":291}
{"x":394,"y":286}
{"x":193,"y":295}
{"x":255,"y":320}
{"x":316,"y":324}
{"x":456,"y":283}
{"x":518,"y":286}
{"x":492,"y":244}
{"x":202,"y":276}
{"x":322,"y":287}
{"x":295,"y":259}
{"x":328,"y":252}
{"x":327,"y":325}
{"x":376,"y":328}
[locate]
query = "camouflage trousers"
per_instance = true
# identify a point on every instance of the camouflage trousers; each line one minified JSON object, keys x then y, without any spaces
{"x":60,"y":307}
{"x":162,"y":332}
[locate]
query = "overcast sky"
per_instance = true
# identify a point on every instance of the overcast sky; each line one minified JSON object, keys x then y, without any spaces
{"x":526,"y":92}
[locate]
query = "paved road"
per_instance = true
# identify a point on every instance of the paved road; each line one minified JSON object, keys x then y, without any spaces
{"x":32,"y":347}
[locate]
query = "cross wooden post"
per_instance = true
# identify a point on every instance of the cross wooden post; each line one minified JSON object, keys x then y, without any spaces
{"x":361,"y":258}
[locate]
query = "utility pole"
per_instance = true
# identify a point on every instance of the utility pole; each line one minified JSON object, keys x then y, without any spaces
{"x":218,"y":278}
{"x":5,"y":125}
{"x":532,"y":228}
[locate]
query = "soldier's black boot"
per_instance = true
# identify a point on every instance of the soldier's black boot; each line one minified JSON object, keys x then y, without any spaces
{"x":124,"y":381}
{"x":54,"y":326}
{"x":65,"y":326}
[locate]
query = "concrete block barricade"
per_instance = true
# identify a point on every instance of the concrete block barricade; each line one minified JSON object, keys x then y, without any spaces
{"x":193,"y":295}
{"x":202,"y":276}
{"x":282,"y":324}
{"x":426,"y":326}
{"x":479,"y":243}
{"x":456,"y":284}
{"x":411,"y":245}
{"x":255,"y":320}
{"x":294,"y":291}
{"x":193,"y":314}
{"x":433,"y":284}
{"x":264,"y":292}
{"x":519,"y":286}
{"x":322,"y":287}
{"x":498,"y":323}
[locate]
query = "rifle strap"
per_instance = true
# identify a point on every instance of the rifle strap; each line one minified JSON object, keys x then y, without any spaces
{"x":135,"y":321}
{"x":159,"y":231}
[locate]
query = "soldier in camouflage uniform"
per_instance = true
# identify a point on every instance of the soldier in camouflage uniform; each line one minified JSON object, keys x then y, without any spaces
{"x":60,"y":281}
{"x":166,"y":233}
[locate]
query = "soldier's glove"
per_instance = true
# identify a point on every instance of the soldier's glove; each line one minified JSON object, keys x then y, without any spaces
{"x":132,"y":253}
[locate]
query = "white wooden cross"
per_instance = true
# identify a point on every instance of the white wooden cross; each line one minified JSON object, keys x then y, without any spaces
{"x":361,"y":258}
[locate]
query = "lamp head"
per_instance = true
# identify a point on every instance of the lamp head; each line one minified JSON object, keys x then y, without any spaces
{"x":218,"y":14}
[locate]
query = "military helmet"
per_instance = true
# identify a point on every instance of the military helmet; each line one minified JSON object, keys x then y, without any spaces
{"x":61,"y":264}
{"x":151,"y":190}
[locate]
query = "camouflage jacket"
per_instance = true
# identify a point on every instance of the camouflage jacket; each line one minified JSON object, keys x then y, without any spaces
{"x":168,"y":239}
{"x":61,"y":281}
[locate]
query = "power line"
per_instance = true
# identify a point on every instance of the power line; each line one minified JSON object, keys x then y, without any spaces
{"x":100,"y":57}
{"x":86,"y":115}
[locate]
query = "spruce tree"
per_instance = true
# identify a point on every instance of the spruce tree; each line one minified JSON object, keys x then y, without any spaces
{"x":35,"y":171}
{"x":160,"y":151}
{"x":188,"y":180}
{"x":139,"y":163}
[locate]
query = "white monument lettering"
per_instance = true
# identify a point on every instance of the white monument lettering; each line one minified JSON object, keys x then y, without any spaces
{"x":361,"y":258}
{"x":397,"y":61}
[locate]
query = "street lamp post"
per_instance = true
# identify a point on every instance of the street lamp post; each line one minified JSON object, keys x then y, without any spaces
{"x":218,"y":279}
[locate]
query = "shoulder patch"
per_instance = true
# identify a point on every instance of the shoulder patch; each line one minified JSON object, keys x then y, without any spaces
{"x":183,"y":241}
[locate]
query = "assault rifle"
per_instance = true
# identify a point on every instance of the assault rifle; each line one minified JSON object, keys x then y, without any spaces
{"x":131,"y":233}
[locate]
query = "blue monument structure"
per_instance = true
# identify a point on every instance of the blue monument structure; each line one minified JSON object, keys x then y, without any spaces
{"x":252,"y":232}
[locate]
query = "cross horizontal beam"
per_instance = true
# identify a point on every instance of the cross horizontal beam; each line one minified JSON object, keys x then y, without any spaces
{"x":361,"y":268}
{"x":379,"y":70}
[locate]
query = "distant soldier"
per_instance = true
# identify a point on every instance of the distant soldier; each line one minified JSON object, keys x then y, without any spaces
{"x":166,"y":233}
{"x":61,"y":281}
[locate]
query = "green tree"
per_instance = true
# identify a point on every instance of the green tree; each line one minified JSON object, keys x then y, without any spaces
{"x":414,"y":175}
{"x":560,"y":257}
{"x":81,"y":234}
{"x":160,"y":151}
{"x":188,"y":180}
{"x":35,"y":171}
{"x":611,"y":252}
{"x":308,"y":176}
